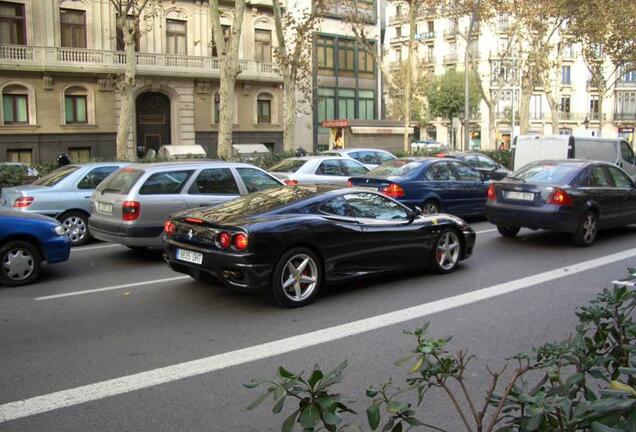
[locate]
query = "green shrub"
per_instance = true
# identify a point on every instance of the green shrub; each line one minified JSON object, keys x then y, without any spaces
{"x":13,"y":176}
{"x":585,"y":383}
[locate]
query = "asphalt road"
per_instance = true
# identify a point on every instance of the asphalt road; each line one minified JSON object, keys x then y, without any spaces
{"x":106,"y":341}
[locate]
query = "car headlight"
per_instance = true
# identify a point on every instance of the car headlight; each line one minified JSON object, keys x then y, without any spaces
{"x":59,"y":230}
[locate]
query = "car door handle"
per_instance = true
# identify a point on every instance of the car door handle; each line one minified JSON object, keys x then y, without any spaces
{"x":205,"y":205}
{"x":88,"y":197}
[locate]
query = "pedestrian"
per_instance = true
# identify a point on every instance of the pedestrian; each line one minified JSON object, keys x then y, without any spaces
{"x":63,"y":160}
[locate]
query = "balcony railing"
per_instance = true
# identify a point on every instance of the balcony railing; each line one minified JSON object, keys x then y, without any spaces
{"x":624,"y":116}
{"x":450,"y":33}
{"x":623,"y":83}
{"x":429,"y":60}
{"x":22,"y":57}
{"x":425,"y":36}
{"x":450,"y":58}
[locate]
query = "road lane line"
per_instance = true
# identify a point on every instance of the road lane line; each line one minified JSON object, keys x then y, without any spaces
{"x":87,"y":248}
{"x":111,"y":288}
{"x":486,"y":231}
{"x":125,"y":384}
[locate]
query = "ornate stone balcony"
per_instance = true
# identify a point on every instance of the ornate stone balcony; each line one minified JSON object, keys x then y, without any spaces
{"x":78,"y":60}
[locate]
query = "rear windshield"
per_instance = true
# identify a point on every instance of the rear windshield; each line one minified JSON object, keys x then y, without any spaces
{"x":288,"y":165}
{"x":121,"y":182}
{"x":547,"y":173}
{"x":56,"y":176}
{"x":395,"y":168}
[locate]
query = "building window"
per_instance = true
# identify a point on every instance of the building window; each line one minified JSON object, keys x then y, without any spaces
{"x":346,"y":54}
{"x":15,"y":107}
{"x":24,"y":156}
{"x":565,"y":75}
{"x":217,"y":107}
{"x":325,"y":47}
{"x":326,"y":105}
{"x":398,"y":10}
{"x":430,"y":27}
{"x":536,"y":107}
{"x":73,"y":28}
{"x":346,"y":104}
{"x":75,"y":109}
{"x":264,"y":109}
{"x":12,"y":27}
{"x":263,"y":45}
{"x":365,"y":60}
{"x":630,"y":76}
{"x":79,"y":154}
{"x":594,"y":107}
{"x":626,"y":103}
{"x":366,"y":104}
{"x":227,"y":31}
{"x":565,"y":104}
{"x":176,"y":41}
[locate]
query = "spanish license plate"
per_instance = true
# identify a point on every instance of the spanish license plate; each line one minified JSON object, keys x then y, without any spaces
{"x":105,"y":208}
{"x":189,"y":256}
{"x":520,"y":196}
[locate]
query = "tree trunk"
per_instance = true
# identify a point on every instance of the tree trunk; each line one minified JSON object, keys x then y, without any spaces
{"x":409,"y":75}
{"x":289,"y":121}
{"x":226,"y":111}
{"x":554,"y":112}
{"x":524,"y":104}
{"x":127,"y":92}
{"x":492,"y":125}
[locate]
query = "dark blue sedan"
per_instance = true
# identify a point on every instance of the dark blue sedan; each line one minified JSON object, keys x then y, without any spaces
{"x":573,"y":196}
{"x":433,"y":184}
{"x":26,"y":241}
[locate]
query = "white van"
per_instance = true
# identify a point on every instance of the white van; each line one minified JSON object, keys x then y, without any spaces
{"x":530,"y":148}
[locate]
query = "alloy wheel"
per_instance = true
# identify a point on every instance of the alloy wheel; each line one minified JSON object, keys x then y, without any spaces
{"x":299,"y":277}
{"x":430,"y":208}
{"x":18,"y":264}
{"x":74,"y":228}
{"x":448,"y":248}
{"x":589,"y":228}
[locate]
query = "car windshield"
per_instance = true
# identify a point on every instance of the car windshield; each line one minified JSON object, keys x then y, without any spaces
{"x":288,"y":165}
{"x":121,"y":182}
{"x":547,"y":173}
{"x":395,"y":168}
{"x":56,"y":176}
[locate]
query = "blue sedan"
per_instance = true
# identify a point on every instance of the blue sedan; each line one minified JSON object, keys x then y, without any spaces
{"x":26,"y":241}
{"x":433,"y":184}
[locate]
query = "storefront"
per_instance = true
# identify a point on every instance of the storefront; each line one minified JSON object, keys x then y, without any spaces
{"x":627,"y":133}
{"x":381,"y":134}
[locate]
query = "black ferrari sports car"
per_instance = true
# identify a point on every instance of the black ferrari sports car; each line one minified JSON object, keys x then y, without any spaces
{"x":291,"y":241}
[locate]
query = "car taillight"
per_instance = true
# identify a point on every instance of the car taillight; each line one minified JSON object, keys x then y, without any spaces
{"x":349,"y":183}
{"x":169,"y":228}
{"x":560,"y":197}
{"x":193,"y":220}
{"x":393,"y":190}
{"x":23,"y":202}
{"x":239,"y":241}
{"x":130,"y":210}
{"x":224,"y":240}
{"x":291,"y":182}
{"x":492,"y":194}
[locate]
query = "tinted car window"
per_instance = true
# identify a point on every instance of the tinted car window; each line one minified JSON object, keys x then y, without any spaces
{"x":56,"y":176}
{"x":337,"y":206}
{"x":288,"y":165}
{"x":330,"y":168}
{"x":163,"y":183}
{"x":384,"y":157}
{"x":121,"y":182}
{"x":372,"y":206}
{"x":95,"y":177}
{"x":440,"y":172}
{"x":598,"y":178}
{"x":621,"y":180}
{"x":626,"y":152}
{"x":256,"y":180}
{"x":215,"y":181}
{"x":470,"y":160}
{"x":547,"y":173}
{"x":465,"y":173}
{"x":366,"y":157}
{"x":396,"y":167}
{"x":486,"y":162}
{"x":354,"y":169}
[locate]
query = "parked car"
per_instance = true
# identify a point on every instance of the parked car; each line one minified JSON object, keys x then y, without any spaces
{"x":368,"y":157}
{"x":434,"y":184}
{"x":489,"y":168}
{"x":313,"y":170}
{"x":292,"y":241}
{"x":63,"y":194}
{"x":131,"y":206}
{"x":428,"y":146}
{"x":617,"y":151}
{"x":573,"y":196}
{"x":26,"y":241}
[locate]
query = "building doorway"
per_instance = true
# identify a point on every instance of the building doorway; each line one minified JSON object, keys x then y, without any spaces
{"x":153,"y":122}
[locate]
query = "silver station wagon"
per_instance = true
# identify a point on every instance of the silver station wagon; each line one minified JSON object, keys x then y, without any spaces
{"x":63,"y":194}
{"x":317,"y":170}
{"x":131,"y":206}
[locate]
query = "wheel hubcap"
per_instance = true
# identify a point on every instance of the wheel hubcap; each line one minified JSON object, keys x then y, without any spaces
{"x":74,"y":228}
{"x":589,"y":228}
{"x":448,"y":250}
{"x":430,"y":209}
{"x":300,"y":277}
{"x":18,"y":264}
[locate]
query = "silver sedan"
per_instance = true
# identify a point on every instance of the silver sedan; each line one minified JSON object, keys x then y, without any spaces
{"x":311,"y":170}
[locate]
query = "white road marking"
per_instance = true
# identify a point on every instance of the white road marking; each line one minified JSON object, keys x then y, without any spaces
{"x":486,"y":231}
{"x":111,"y":288}
{"x":87,"y":248}
{"x":125,"y":384}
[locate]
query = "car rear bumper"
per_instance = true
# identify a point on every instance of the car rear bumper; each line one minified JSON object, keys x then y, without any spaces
{"x":233,"y":270}
{"x":549,"y":218}
{"x":126,"y":234}
{"x":57,"y":249}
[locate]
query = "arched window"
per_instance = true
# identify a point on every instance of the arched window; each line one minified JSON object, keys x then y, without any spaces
{"x":18,"y":105}
{"x":77,"y":106}
{"x":264,"y":102}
